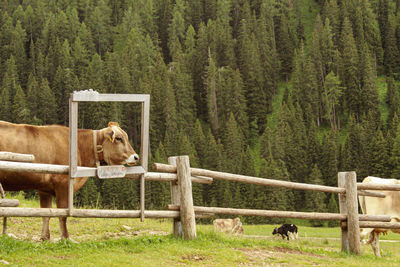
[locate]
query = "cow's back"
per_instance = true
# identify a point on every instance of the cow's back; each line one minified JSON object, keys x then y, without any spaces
{"x":49,"y":144}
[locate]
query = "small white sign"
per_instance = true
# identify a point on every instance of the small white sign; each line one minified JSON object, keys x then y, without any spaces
{"x":114,"y":171}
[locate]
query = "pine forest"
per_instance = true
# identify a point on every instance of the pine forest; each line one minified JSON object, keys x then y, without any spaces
{"x":294,"y":90}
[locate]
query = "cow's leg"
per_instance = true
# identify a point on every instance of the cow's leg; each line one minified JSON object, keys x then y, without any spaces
{"x":375,"y":243}
{"x":62,"y":203}
{"x":45,"y":202}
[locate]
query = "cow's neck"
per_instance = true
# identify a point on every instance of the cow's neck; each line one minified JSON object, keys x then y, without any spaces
{"x":86,"y":148}
{"x":97,"y":147}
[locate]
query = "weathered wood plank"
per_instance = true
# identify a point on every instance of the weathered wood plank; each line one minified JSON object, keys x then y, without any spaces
{"x":10,"y":156}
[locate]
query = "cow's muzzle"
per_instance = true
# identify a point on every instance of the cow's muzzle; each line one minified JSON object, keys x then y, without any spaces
{"x":133,"y":159}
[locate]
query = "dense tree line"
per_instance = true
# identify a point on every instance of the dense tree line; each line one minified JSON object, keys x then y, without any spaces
{"x":281,"y":89}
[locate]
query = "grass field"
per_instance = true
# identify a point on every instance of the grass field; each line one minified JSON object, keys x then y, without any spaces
{"x":129,"y":242}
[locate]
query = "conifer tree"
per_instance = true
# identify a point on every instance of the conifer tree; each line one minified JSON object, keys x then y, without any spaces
{"x":329,"y":159}
{"x":349,"y":70}
{"x":251,"y":68}
{"x":233,"y":145}
{"x":5,"y":102}
{"x":392,"y":99}
{"x":176,"y":30}
{"x":19,"y":109}
{"x":99,"y":21}
{"x":201,"y":63}
{"x":274,"y":198}
{"x":391,"y":51}
{"x":380,"y":156}
{"x":395,"y":156}
{"x":231,"y":99}
{"x":212,"y":102}
{"x":195,"y":13}
{"x":315,"y":201}
{"x":285,"y":45}
{"x":47,"y":111}
{"x":11,"y":78}
{"x":332,"y":95}
{"x":369,"y":92}
{"x":17,"y":48}
{"x":333,"y":208}
{"x":353,"y":147}
{"x":268,"y":52}
{"x":199,"y":142}
{"x":222,"y":42}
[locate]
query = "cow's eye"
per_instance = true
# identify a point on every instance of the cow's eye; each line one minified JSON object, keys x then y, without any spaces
{"x":119,"y":139}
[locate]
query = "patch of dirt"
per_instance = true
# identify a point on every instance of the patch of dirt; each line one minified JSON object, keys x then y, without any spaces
{"x":295,"y":251}
{"x":273,"y":253}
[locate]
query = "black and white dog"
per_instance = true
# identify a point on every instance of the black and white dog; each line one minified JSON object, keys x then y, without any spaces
{"x":285,"y":229}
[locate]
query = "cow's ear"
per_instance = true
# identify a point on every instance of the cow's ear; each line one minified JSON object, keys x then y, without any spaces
{"x":113,"y":123}
{"x":110,"y":134}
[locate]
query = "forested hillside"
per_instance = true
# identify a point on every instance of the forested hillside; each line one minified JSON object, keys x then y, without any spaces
{"x":285,"y":89}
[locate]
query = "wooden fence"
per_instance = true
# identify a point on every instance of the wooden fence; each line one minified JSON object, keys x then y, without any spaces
{"x":179,"y":174}
{"x":348,"y":190}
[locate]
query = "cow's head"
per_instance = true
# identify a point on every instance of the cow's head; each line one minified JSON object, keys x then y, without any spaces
{"x":116,"y":147}
{"x":275,"y":231}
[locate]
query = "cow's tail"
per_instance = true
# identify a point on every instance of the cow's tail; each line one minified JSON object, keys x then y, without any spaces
{"x":361,"y":199}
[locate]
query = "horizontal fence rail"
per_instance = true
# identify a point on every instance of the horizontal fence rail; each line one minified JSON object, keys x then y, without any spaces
{"x":90,"y":172}
{"x":370,"y":224}
{"x":374,"y":186}
{"x":85,"y":213}
{"x":10,"y":156}
{"x":284,"y":214}
{"x":261,"y":181}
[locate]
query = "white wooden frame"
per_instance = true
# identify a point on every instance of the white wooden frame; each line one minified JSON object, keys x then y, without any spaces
{"x":93,"y":96}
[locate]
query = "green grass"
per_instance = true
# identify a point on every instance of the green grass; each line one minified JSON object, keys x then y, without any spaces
{"x":129,"y":242}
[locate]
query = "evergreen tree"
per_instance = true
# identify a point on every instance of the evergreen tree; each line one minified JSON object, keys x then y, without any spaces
{"x":332,"y":95}
{"x":380,"y":156}
{"x":285,"y":46}
{"x":212,"y":103}
{"x":99,"y":21}
{"x":231,"y":99}
{"x":333,"y":208}
{"x":20,"y":111}
{"x":391,"y":51}
{"x":349,"y":70}
{"x":329,"y":159}
{"x":315,"y":201}
{"x":369,"y":93}
{"x":392,"y":99}
{"x":251,"y":68}
{"x":5,"y":102}
{"x":395,"y":156}
{"x":47,"y":111}
{"x":233,"y":146}
{"x":274,"y":198}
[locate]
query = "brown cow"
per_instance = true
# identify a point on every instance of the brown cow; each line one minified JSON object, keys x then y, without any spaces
{"x":230,"y":226}
{"x":50,"y":144}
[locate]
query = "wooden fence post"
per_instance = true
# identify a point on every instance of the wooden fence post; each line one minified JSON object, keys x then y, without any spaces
{"x":353,"y":226}
{"x":188,"y":218}
{"x":343,"y":210}
{"x":175,"y":199}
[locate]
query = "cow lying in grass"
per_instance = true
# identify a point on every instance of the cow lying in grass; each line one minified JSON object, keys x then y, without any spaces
{"x":229,"y":226}
{"x":286,"y":230}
